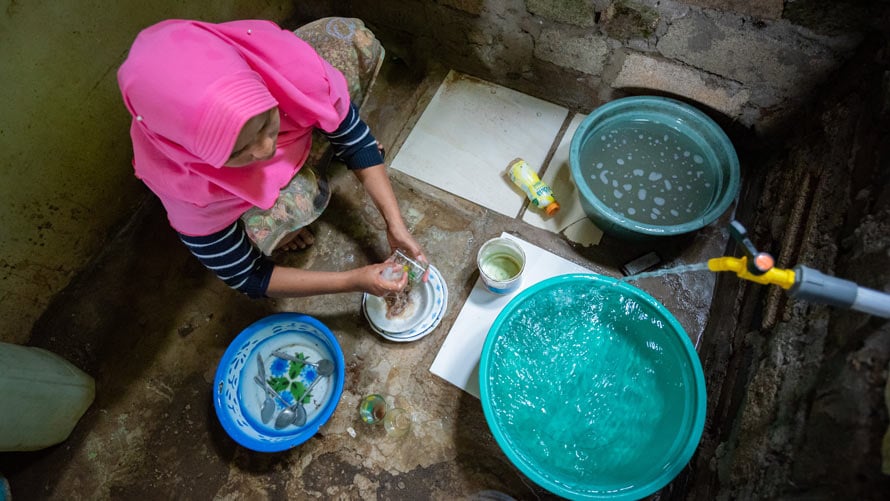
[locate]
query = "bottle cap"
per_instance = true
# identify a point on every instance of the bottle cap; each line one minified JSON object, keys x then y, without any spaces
{"x":551,"y":208}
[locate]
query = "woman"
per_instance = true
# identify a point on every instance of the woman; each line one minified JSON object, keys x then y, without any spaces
{"x":223,"y":116}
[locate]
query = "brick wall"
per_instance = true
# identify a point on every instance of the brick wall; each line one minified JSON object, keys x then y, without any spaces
{"x":750,"y":61}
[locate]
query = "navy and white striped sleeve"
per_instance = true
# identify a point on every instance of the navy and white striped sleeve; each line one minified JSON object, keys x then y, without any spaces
{"x":232,"y":256}
{"x":353,"y":142}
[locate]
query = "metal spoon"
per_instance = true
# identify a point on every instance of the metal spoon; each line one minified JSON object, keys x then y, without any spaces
{"x":324,"y":367}
{"x":268,"y":407}
{"x":269,"y":404}
{"x":296,"y":413}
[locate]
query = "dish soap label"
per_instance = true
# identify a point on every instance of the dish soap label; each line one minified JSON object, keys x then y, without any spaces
{"x":540,"y":194}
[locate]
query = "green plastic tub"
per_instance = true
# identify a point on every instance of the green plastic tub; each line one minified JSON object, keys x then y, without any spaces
{"x":592,"y":388}
{"x":652,"y":166}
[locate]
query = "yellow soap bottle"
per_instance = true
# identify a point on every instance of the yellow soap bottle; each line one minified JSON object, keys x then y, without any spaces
{"x":537,"y":191}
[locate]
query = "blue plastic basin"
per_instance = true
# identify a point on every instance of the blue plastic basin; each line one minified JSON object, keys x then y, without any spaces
{"x":592,"y":388}
{"x":238,"y":399}
{"x":652,"y":166}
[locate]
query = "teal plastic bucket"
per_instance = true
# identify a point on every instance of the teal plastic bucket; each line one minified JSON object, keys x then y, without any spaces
{"x":652,"y":166}
{"x":592,"y":388}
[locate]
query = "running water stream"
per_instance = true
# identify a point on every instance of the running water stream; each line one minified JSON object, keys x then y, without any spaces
{"x":676,"y":270}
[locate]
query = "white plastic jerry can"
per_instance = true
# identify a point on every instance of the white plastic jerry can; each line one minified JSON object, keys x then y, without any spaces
{"x":43,"y":395}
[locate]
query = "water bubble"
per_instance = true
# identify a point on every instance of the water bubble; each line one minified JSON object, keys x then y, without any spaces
{"x":658,"y":201}
{"x":674,"y":213}
{"x":599,"y":165}
{"x":627,"y":187}
{"x":686,"y":153}
{"x":617,"y":194}
{"x":602,"y":138}
{"x":676,"y":157}
{"x":631,"y":211}
{"x":655,"y":176}
{"x":665,"y":137}
{"x":698,"y":159}
{"x":638,"y":172}
{"x":653,"y":216}
{"x":620,"y":161}
{"x":656,"y":211}
{"x":667,"y":185}
{"x":707,"y":185}
{"x":603,"y":177}
{"x":641,"y":194}
{"x":615,"y":183}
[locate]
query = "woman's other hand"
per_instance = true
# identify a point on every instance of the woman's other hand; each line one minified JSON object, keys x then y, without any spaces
{"x":376,"y":183}
{"x":400,"y":238}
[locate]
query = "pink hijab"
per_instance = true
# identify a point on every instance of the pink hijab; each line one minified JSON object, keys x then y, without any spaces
{"x":191,"y":86}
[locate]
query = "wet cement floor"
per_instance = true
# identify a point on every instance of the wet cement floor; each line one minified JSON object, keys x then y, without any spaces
{"x":150,"y":324}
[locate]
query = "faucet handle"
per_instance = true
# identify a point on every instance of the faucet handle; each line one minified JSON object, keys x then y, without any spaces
{"x":758,"y":262}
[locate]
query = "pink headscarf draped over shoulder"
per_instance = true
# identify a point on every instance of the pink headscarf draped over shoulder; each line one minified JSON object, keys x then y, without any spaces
{"x":191,"y":87}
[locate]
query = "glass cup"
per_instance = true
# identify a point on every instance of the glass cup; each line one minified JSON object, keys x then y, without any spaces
{"x":397,"y":422}
{"x":414,"y":269}
{"x":373,"y":410}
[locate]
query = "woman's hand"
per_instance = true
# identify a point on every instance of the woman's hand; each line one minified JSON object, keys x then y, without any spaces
{"x":373,"y":278}
{"x":296,"y":282}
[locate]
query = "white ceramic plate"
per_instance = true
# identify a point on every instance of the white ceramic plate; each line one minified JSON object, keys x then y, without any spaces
{"x":432,"y":312}
{"x":419,"y":308}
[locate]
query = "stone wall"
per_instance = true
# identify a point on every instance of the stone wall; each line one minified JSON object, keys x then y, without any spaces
{"x":797,"y":407}
{"x":752,"y":62}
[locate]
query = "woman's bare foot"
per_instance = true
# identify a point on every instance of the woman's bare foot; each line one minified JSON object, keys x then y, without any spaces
{"x":297,"y":240}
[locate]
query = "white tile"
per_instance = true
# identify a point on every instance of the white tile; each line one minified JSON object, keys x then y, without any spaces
{"x":571,"y":219}
{"x":458,"y":359}
{"x":470,"y":132}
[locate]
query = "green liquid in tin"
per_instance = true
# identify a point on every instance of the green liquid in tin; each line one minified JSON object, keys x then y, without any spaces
{"x":648,"y":172}
{"x":585,"y":386}
{"x":500,"y":267}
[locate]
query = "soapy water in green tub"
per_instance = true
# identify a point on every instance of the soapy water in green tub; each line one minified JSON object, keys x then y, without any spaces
{"x":590,"y":385}
{"x":647,"y":171}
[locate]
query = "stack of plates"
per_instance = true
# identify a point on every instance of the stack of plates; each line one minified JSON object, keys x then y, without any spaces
{"x":428,"y":301}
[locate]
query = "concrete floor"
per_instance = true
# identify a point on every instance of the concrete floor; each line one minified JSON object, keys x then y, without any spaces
{"x":150,"y":324}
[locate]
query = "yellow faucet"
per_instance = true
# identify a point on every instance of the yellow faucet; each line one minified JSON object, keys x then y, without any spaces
{"x":739,"y":265}
{"x":802,"y":282}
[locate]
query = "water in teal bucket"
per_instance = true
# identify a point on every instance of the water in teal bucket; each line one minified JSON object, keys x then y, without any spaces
{"x":592,"y":387}
{"x":648,"y":172}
